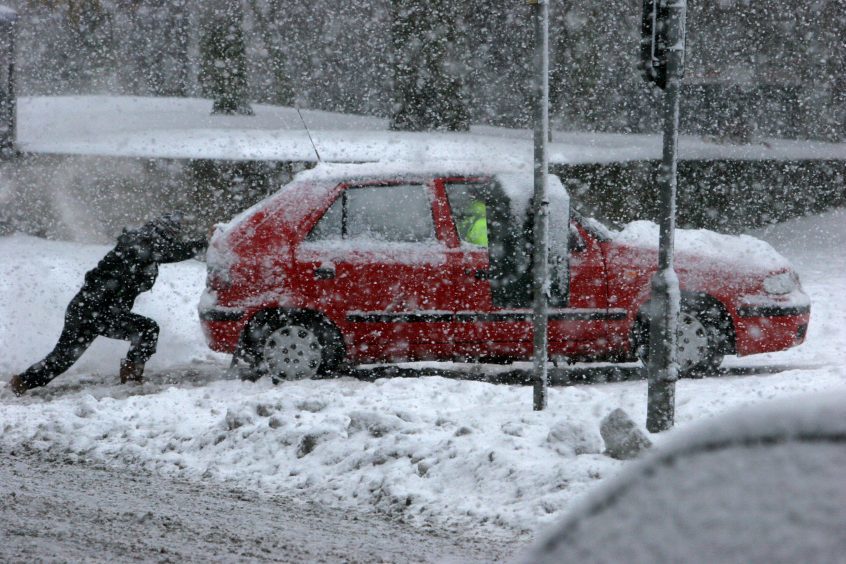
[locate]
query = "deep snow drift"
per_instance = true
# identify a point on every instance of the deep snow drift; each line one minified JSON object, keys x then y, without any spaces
{"x":459,"y":452}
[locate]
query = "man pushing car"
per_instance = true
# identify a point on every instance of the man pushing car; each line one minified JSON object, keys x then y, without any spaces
{"x":103,"y":306}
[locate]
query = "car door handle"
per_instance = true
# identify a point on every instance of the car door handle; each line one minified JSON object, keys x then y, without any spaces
{"x":324,"y":273}
{"x":478,"y":274}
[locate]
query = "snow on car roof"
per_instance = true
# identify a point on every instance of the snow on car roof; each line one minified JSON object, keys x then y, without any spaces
{"x":516,"y":179}
{"x":183,"y":128}
{"x":297,"y":198}
{"x":308,"y":185}
{"x":519,"y":187}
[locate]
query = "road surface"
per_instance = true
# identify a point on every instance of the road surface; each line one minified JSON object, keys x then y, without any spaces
{"x":54,"y":510}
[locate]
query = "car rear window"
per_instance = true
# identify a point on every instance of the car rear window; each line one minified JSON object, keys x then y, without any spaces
{"x":395,"y":213}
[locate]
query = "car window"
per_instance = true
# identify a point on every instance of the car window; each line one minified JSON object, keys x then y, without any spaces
{"x":594,"y":226}
{"x":483,"y":217}
{"x":330,"y":225}
{"x":398,"y":213}
{"x":469,"y":213}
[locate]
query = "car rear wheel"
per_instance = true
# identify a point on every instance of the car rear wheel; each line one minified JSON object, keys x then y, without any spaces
{"x":292,"y":352}
{"x":698,"y":340}
{"x":293,"y":347}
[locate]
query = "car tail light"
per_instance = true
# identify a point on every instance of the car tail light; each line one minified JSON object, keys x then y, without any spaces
{"x":219,"y":279}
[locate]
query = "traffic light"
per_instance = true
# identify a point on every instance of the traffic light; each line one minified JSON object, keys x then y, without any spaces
{"x":653,"y":41}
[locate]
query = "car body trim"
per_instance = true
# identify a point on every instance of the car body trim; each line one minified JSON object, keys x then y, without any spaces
{"x":570,"y":314}
{"x":218,"y":314}
{"x":773,"y":310}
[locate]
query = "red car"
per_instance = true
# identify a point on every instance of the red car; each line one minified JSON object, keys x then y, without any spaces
{"x":371,"y":263}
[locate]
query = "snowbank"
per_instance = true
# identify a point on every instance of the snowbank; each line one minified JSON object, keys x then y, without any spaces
{"x":429,"y":449}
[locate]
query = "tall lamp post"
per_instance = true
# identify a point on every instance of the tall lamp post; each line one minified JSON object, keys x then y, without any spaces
{"x":540,"y":202}
{"x":662,"y":61}
{"x":8,"y":95}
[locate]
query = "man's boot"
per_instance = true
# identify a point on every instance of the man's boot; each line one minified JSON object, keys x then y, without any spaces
{"x":131,"y":371}
{"x":17,"y":385}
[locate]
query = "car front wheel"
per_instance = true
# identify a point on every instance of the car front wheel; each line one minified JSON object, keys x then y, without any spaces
{"x":697,"y":345}
{"x":698,"y":341}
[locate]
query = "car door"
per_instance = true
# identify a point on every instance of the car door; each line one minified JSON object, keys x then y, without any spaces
{"x":491,"y":294}
{"x":376,"y":268}
{"x":579,"y":327}
{"x":495,"y":290}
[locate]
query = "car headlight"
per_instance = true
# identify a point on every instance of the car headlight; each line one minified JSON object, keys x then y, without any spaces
{"x":783,"y":283}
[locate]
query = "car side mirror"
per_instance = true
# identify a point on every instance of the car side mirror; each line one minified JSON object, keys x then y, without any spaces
{"x":576,"y":243}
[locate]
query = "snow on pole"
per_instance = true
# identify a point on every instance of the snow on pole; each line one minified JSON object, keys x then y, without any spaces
{"x":661,"y":367}
{"x":540,"y":203}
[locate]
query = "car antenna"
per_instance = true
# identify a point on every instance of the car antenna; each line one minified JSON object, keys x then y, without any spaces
{"x":313,"y":146}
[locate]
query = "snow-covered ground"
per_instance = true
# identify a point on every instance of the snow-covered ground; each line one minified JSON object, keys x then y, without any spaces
{"x":183,"y":128}
{"x":457,"y":452}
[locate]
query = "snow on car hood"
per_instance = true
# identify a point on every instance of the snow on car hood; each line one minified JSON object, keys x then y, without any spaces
{"x":746,"y":252}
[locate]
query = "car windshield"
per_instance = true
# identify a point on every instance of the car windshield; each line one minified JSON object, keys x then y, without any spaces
{"x":595,"y":223}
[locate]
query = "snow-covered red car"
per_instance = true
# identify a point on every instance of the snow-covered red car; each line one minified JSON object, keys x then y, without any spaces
{"x":376,"y":263}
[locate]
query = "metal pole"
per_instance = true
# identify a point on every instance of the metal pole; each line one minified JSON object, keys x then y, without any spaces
{"x":8,"y":102}
{"x":13,"y":94}
{"x":540,"y":203}
{"x":662,"y":370}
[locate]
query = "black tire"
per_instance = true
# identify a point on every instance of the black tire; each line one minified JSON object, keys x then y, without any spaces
{"x":700,"y":338}
{"x":292,"y":346}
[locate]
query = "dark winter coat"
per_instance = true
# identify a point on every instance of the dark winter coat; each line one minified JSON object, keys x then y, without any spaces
{"x":132,"y":266}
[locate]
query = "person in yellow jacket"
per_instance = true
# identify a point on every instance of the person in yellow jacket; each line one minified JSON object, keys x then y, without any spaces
{"x":475,"y":225}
